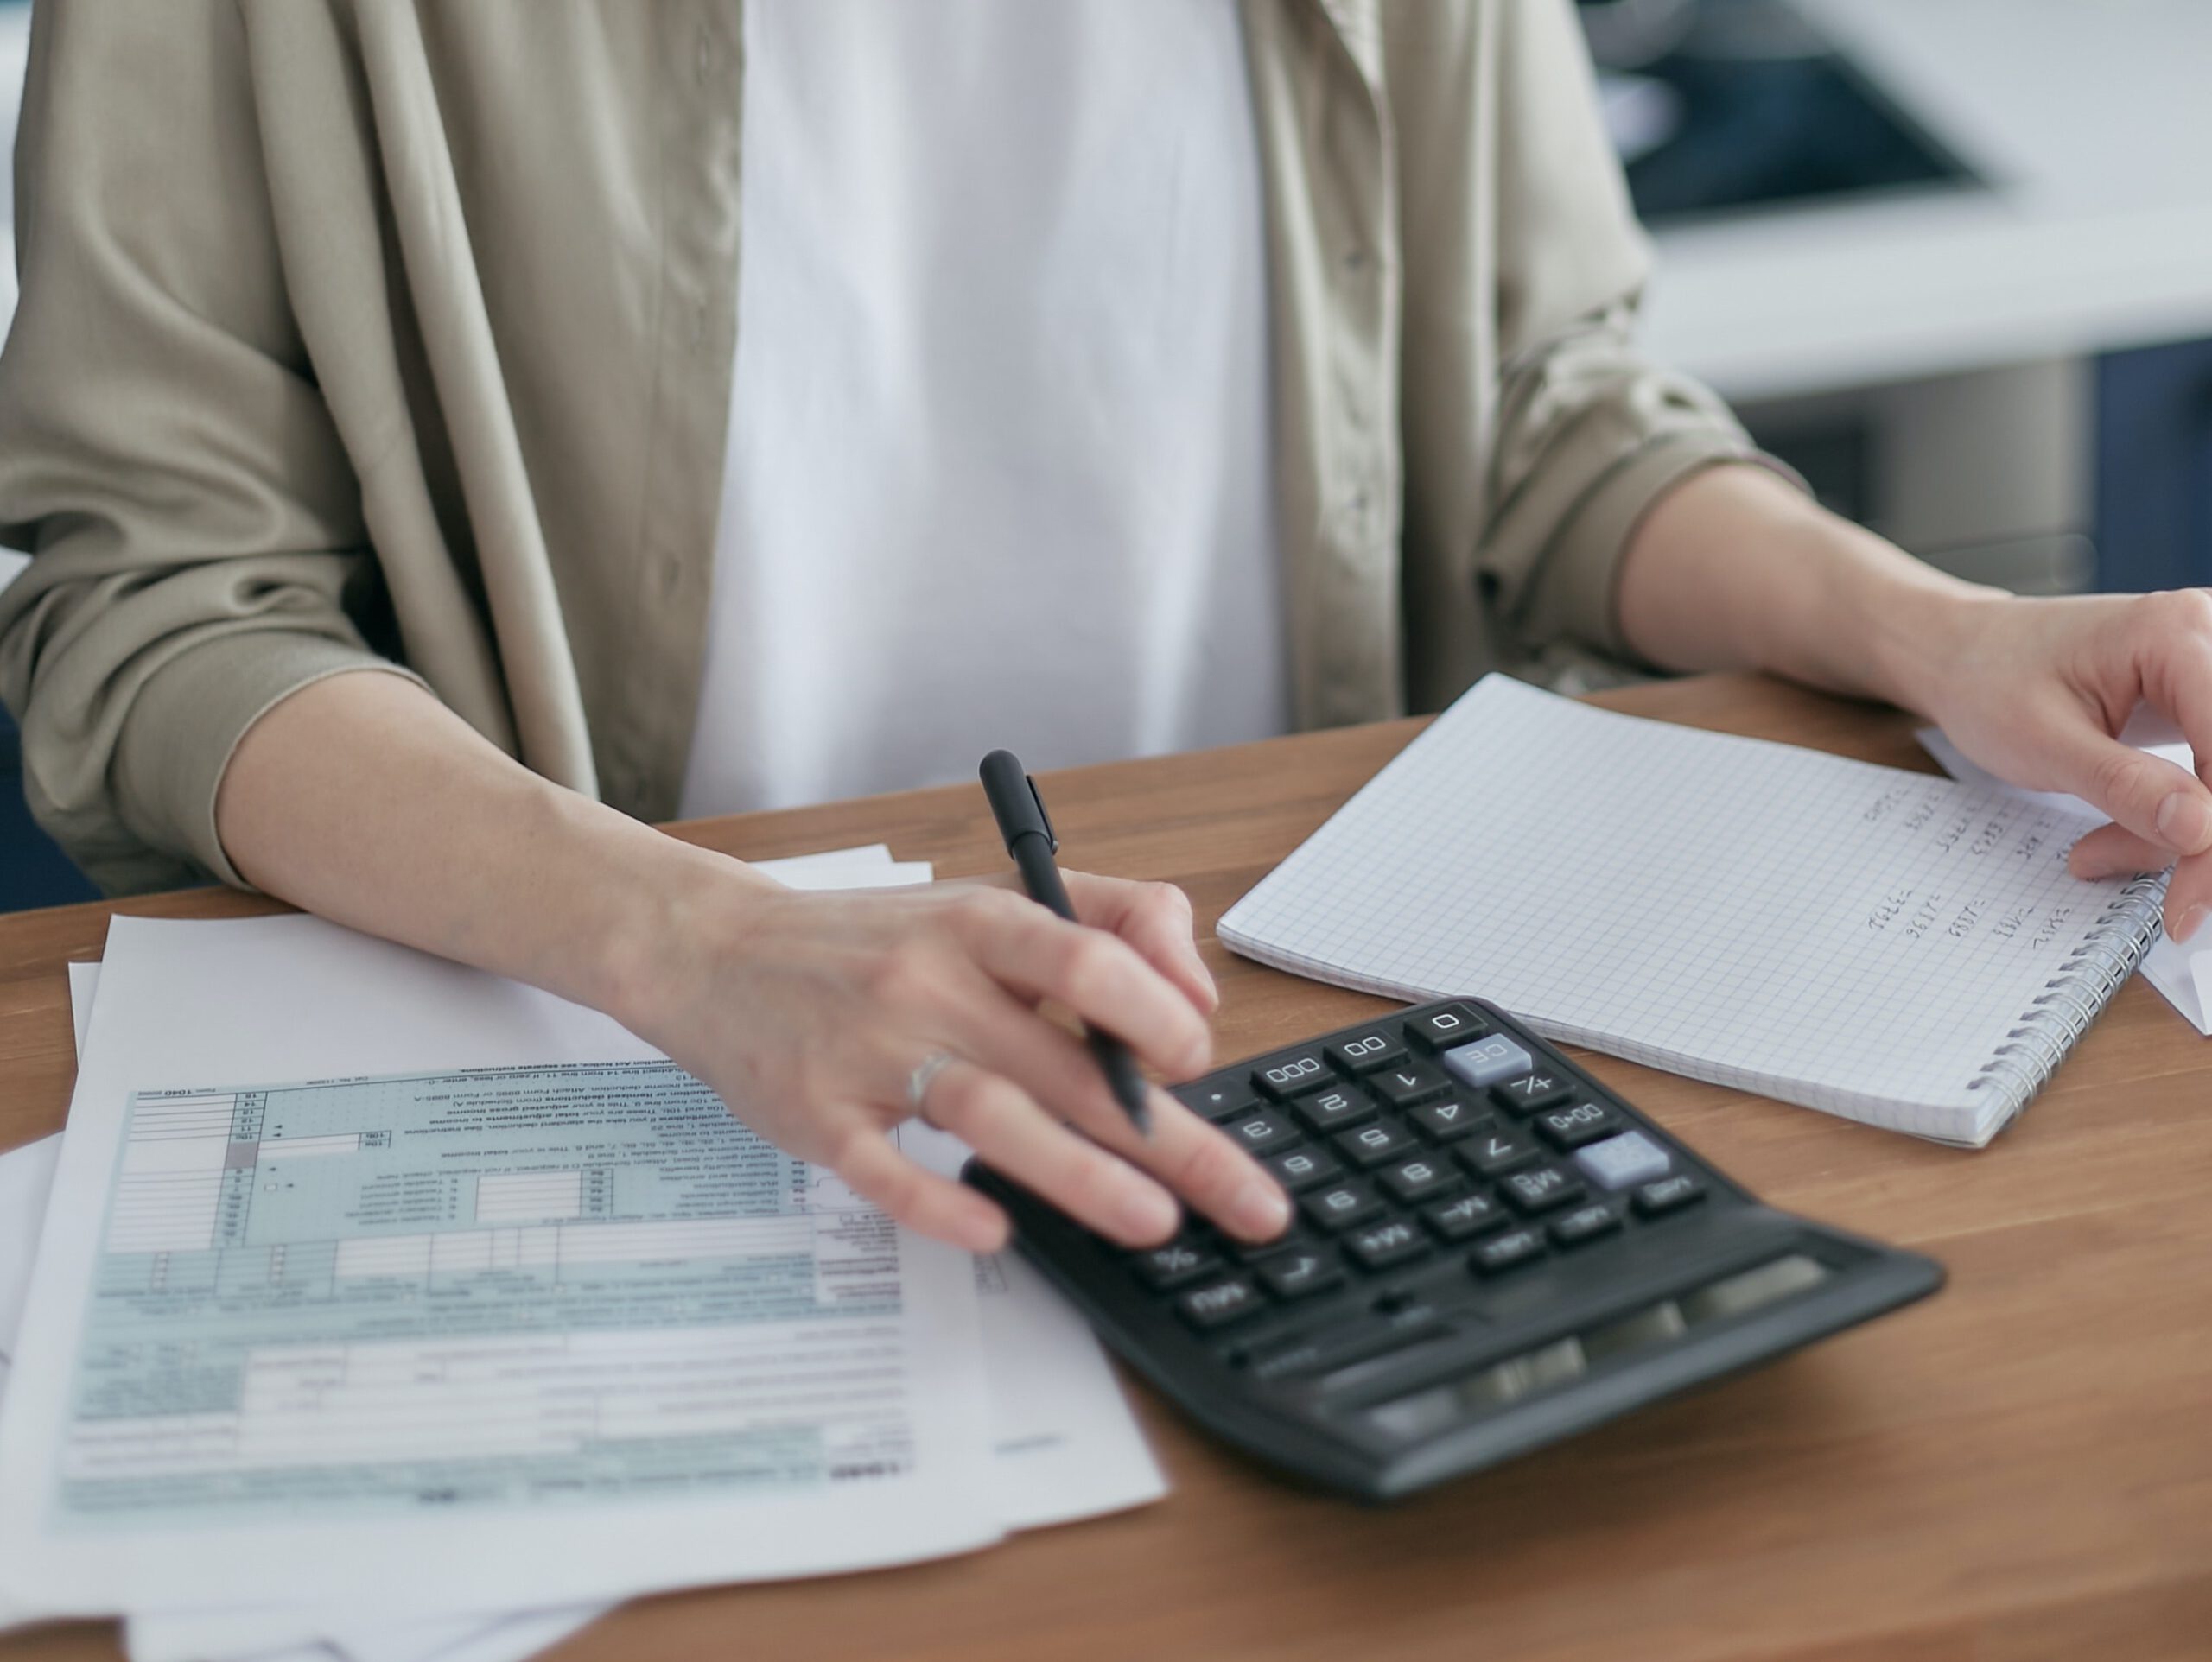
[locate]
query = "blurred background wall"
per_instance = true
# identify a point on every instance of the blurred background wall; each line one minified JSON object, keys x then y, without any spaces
{"x":1953,"y":258}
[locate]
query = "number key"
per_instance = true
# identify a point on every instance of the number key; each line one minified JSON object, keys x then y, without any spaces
{"x":1455,"y":1024}
{"x":1257,"y":1133}
{"x":1372,"y":1144}
{"x":1293,"y":1075}
{"x":1452,"y":1117}
{"x":1332,"y":1110}
{"x":1301,"y":1168}
{"x":1364,"y":1053}
{"x":1410,"y":1082}
{"x":1341,"y":1205}
{"x":1492,"y":1153}
{"x":1411,"y":1182}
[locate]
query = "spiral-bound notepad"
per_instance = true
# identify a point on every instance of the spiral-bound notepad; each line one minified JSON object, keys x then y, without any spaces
{"x":1893,"y":947}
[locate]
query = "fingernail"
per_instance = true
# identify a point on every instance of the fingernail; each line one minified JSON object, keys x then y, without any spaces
{"x":2189,"y":921}
{"x":1261,"y":1210}
{"x":2183,"y":824}
{"x":1147,"y":1213}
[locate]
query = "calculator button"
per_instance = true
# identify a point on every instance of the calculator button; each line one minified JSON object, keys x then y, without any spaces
{"x":1220,"y":1302}
{"x":1364,"y":1052}
{"x":1255,"y":1133}
{"x":1411,"y":1082}
{"x":1301,"y":1168}
{"x":1453,"y":1024}
{"x":1487,"y":1061}
{"x":1495,"y":1151}
{"x":1292,"y":1074}
{"x":1294,"y":1275}
{"x":1332,"y":1110}
{"x":1251,"y":1252}
{"x":1218,"y":1099}
{"x":1504,"y":1251}
{"x":1411,"y":1182}
{"x":1540,"y":1089}
{"x":1341,"y":1205}
{"x":1542,"y":1188}
{"x":1452,"y":1117}
{"x":1379,"y":1245}
{"x":1632,"y":1158}
{"x":1464,"y":1219}
{"x":1174,"y":1264}
{"x":1372,"y":1144}
{"x":1669,"y":1195}
{"x":1584,"y":1122}
{"x":1584,"y":1223}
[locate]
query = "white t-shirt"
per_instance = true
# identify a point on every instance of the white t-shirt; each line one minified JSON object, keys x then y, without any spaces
{"x":998,"y":469}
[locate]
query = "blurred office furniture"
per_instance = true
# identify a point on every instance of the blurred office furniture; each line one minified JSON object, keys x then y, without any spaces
{"x":1951,"y":257}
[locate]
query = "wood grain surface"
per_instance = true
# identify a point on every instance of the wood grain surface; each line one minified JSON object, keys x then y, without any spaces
{"x":2020,"y":1467}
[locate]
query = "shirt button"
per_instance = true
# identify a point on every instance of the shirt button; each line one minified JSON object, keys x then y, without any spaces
{"x":1355,"y":259}
{"x":702,"y":55}
{"x":667,"y":572}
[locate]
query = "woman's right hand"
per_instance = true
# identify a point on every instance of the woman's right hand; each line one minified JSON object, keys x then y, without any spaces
{"x":809,"y":1013}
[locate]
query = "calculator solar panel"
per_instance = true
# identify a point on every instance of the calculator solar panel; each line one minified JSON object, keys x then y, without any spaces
{"x":1492,"y":1252}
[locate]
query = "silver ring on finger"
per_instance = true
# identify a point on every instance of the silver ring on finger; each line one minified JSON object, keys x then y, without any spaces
{"x":924,"y":1076}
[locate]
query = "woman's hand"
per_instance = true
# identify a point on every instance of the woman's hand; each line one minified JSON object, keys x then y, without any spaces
{"x":1732,"y":568}
{"x":2035,"y":690}
{"x":810,"y":1014}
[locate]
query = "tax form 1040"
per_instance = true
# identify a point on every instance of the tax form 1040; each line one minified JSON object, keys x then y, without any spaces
{"x":529,"y":1322}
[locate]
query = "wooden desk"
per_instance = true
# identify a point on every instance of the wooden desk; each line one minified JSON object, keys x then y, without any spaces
{"x":2020,"y":1468}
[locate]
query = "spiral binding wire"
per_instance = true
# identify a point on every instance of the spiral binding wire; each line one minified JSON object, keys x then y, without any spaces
{"x":2058,"y":1016}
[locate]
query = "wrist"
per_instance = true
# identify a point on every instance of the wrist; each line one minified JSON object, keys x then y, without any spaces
{"x":1878,"y":623}
{"x":660,"y":904}
{"x":1915,"y":622}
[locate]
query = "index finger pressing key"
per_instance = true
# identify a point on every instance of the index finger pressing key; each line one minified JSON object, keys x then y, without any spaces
{"x":1201,"y":1165}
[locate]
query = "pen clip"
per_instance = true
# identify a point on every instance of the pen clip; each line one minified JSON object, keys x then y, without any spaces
{"x":1051,"y":837}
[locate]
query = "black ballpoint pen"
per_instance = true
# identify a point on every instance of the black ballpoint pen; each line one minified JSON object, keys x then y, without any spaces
{"x":1030,"y":842}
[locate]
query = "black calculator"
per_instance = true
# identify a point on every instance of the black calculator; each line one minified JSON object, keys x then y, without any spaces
{"x":1492,"y":1252}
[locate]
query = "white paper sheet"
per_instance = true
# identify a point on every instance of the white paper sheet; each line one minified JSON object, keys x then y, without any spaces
{"x":2179,"y":972}
{"x":222,"y":1006}
{"x":1067,"y":1446}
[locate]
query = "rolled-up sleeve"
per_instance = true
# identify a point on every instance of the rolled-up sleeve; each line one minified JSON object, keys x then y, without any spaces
{"x":1589,"y":432}
{"x":165,"y":455}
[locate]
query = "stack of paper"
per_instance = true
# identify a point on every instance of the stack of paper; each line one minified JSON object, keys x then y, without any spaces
{"x":396,"y":1312}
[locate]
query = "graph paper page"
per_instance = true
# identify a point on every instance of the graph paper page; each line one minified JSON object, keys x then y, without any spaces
{"x":1857,"y":938}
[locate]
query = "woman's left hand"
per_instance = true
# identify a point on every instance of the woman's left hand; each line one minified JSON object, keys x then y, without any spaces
{"x":2036,"y":690}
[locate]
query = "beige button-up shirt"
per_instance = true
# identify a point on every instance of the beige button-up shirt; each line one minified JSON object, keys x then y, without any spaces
{"x":366,"y":334}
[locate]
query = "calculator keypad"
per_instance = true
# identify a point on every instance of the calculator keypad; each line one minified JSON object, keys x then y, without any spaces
{"x":1461,"y":1195}
{"x":1411,"y":1147}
